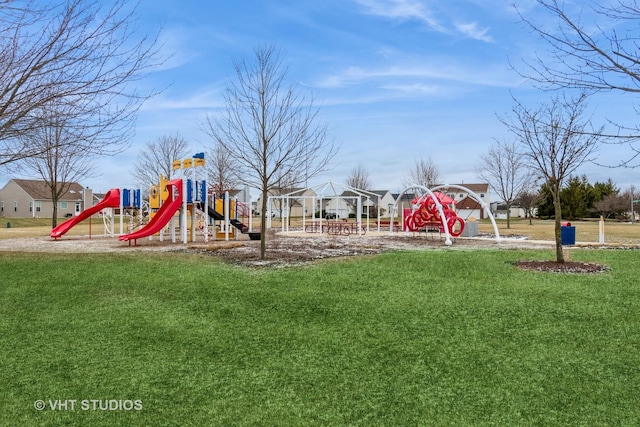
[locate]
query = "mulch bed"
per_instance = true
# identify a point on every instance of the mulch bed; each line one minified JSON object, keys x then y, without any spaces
{"x":571,"y":267}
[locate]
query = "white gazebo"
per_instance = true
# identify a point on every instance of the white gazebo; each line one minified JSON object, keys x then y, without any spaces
{"x":329,"y":191}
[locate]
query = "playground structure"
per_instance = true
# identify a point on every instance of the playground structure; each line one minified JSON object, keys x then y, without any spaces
{"x":164,"y":215}
{"x":180,"y":204}
{"x":428,"y":210}
{"x":113,"y":199}
{"x":431,"y":210}
{"x":425,"y":214}
{"x":188,"y":198}
{"x":183,"y":206}
{"x":228,"y":213}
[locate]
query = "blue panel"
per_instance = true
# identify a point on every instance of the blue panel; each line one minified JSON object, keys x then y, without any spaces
{"x":203,"y":190}
{"x":196,"y":191}
{"x":126,"y":198}
{"x":136,"y":199}
{"x":189,"y":191}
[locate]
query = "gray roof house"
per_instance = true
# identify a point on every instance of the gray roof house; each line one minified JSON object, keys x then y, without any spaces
{"x":28,"y":198}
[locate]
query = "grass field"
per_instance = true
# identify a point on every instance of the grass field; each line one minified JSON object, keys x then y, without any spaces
{"x":586,"y":231}
{"x":408,"y":338}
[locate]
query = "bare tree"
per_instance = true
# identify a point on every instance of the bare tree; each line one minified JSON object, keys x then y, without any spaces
{"x":79,"y":53}
{"x":528,"y":199}
{"x":270,"y":128}
{"x":633,"y":199}
{"x":613,"y":204}
{"x":425,"y":173}
{"x":359,"y":178}
{"x":557,"y":139}
{"x":157,"y":158}
{"x":505,"y":170}
{"x":62,"y":158}
{"x":221,"y":170}
{"x":595,"y":54}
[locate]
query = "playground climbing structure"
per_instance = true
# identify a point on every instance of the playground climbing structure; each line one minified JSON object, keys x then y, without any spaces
{"x":425,"y":213}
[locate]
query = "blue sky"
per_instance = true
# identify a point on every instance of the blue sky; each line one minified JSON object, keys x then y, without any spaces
{"x":396,"y":80}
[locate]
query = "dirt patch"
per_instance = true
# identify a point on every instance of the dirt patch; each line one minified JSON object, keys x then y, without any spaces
{"x":568,"y":267}
{"x":295,"y":248}
{"x":288,"y":250}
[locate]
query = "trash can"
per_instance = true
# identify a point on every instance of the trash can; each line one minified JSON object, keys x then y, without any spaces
{"x":8,"y":225}
{"x":568,"y":234}
{"x":470,"y":229}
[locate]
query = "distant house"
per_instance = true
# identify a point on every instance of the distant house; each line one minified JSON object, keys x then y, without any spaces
{"x":243,"y":195}
{"x":297,"y":202}
{"x":467,"y":206}
{"x":500,"y":211}
{"x":301,"y":202}
{"x":376,"y":201}
{"x":371,"y":202}
{"x":339,"y":205}
{"x":404,"y":202}
{"x":27,"y":198}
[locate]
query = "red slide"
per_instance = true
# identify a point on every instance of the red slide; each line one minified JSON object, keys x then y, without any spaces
{"x":110,"y":200}
{"x":164,"y":214}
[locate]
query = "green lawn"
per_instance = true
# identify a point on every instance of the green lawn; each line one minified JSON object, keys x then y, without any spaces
{"x":444,"y":337}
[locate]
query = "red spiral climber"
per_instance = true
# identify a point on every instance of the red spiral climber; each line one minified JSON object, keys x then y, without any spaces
{"x":425,"y":211}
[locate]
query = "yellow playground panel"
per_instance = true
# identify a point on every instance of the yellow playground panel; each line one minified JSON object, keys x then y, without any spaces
{"x":219,"y":208}
{"x":158,"y":193}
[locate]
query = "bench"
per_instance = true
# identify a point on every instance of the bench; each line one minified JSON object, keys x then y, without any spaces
{"x":384,"y":224}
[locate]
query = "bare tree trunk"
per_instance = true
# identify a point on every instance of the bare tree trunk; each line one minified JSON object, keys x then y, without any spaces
{"x":263,"y":224}
{"x":558,"y":214}
{"x":508,"y":214}
{"x":54,"y":219}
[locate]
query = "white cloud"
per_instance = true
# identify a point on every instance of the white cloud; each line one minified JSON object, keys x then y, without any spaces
{"x":202,"y":99}
{"x":418,"y":10}
{"x":472,"y":30}
{"x":402,"y":9}
{"x":415,"y":88}
{"x":432,"y":69}
{"x":174,"y":48}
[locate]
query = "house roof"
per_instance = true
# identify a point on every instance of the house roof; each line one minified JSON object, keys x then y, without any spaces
{"x":332,"y":189}
{"x":39,"y":190}
{"x":468,"y":203}
{"x":405,"y":196}
{"x":374,"y":197}
{"x":380,"y":193}
{"x":476,"y":188}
